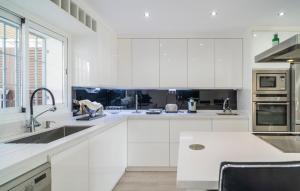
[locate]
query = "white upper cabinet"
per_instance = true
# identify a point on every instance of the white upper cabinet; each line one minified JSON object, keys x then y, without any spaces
{"x":201,"y":63}
{"x":173,"y":63}
{"x":228,"y":63}
{"x":145,"y":63}
{"x":124,"y":74}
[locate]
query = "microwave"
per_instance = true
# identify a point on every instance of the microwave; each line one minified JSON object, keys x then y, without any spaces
{"x":271,"y":81}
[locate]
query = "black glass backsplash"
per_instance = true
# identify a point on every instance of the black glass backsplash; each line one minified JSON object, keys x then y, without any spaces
{"x":150,"y":99}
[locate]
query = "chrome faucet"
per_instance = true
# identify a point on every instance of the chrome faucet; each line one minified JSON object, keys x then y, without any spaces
{"x":226,"y":105}
{"x":33,"y":122}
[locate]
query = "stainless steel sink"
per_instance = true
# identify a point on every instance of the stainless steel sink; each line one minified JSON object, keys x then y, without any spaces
{"x":52,"y":135}
{"x":227,"y":113}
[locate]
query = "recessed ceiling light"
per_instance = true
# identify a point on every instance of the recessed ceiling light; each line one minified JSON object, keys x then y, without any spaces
{"x":280,"y":14}
{"x":147,"y":14}
{"x":213,"y":13}
{"x":254,"y":35}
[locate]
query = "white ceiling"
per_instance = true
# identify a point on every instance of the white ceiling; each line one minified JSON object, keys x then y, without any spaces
{"x":193,"y":16}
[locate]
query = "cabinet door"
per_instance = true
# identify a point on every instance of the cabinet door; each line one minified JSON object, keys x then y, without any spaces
{"x":178,"y":126}
{"x":174,"y":150}
{"x":124,"y":67}
{"x":201,"y":63}
{"x":70,"y":169}
{"x":145,"y":63}
{"x":228,"y":63}
{"x":231,"y":125}
{"x":148,"y":130}
{"x":107,"y":158}
{"x":173,"y":63}
{"x":148,"y":154}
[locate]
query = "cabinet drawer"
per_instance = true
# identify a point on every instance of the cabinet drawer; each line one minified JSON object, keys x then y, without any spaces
{"x":148,"y":154}
{"x":236,"y":125}
{"x":148,"y":131}
{"x":178,"y":126}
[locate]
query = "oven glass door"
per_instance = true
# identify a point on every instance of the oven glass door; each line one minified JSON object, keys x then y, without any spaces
{"x":272,"y":114}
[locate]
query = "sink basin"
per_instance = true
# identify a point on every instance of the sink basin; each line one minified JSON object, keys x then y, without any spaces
{"x":52,"y":135}
{"x":227,"y":113}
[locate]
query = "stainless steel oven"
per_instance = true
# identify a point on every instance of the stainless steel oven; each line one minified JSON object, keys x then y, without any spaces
{"x":270,"y":81}
{"x":271,"y":116}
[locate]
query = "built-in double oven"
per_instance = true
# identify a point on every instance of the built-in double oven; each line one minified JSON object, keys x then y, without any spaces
{"x":271,"y":100}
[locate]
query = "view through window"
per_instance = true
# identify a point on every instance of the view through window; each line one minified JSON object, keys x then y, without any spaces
{"x":46,"y":67}
{"x":10,"y":73}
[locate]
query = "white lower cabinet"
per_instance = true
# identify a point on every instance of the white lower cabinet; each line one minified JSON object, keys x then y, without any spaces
{"x":148,"y":143}
{"x":178,"y":126}
{"x":148,"y":154}
{"x":92,"y":165}
{"x":235,"y":125}
{"x":70,"y":169}
{"x":107,"y":158}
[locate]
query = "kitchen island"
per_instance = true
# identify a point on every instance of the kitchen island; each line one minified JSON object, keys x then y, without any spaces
{"x":199,"y":169}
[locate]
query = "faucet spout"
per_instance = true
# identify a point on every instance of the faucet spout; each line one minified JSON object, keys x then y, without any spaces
{"x":33,"y":122}
{"x":226,"y":105}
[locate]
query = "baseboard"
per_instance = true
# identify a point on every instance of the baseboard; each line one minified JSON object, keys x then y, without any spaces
{"x":150,"y":169}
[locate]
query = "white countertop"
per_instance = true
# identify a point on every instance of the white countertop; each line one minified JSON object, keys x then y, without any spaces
{"x":200,"y":169}
{"x":16,"y":159}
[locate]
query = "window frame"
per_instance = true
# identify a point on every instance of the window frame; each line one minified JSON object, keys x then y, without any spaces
{"x":40,"y":30}
{"x":15,"y":22}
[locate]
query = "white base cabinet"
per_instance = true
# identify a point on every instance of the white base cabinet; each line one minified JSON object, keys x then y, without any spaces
{"x":96,"y":164}
{"x":148,"y":143}
{"x":70,"y":169}
{"x":107,"y":158}
{"x":155,"y":143}
{"x":228,"y":125}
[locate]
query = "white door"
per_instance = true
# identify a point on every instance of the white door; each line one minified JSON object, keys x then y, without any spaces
{"x":70,"y":169}
{"x":145,"y":63}
{"x":173,"y":63}
{"x":124,"y":68}
{"x":201,"y":63}
{"x":228,"y":63}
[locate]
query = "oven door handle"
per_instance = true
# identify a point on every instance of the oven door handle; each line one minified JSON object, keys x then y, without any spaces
{"x":272,"y":103}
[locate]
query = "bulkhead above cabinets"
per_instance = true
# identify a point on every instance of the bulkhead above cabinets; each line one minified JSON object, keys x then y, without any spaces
{"x":180,"y":63}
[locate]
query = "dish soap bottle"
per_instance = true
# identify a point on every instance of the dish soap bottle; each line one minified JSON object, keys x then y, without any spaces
{"x":275,"y":40}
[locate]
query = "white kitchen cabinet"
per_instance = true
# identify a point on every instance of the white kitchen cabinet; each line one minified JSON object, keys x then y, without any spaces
{"x":70,"y":169}
{"x":173,"y":63}
{"x":148,"y":143}
{"x":174,"y":150}
{"x":107,"y":158}
{"x":144,"y":154}
{"x":145,"y":63}
{"x":230,"y":125}
{"x":148,"y":130}
{"x":181,"y":125}
{"x":201,"y":63}
{"x":228,"y":63}
{"x":124,"y":69}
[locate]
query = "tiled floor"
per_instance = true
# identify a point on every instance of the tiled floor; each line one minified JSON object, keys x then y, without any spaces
{"x":147,"y":181}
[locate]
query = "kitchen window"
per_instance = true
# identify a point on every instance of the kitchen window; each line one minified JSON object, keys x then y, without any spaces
{"x":46,"y":65}
{"x":10,"y":67}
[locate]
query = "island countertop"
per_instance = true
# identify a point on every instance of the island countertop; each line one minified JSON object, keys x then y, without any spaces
{"x":199,"y":169}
